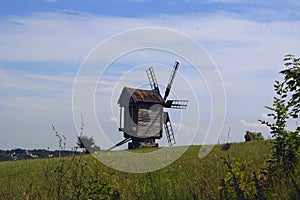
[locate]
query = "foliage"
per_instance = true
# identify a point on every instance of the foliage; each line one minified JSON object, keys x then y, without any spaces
{"x":238,"y":184}
{"x":87,"y":143}
{"x":231,"y":186}
{"x":74,"y":178}
{"x":292,"y":81}
{"x":98,"y":186}
{"x":285,"y":106}
{"x":256,"y":135}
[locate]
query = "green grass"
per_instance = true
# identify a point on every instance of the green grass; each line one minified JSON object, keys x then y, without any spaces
{"x":187,"y":178}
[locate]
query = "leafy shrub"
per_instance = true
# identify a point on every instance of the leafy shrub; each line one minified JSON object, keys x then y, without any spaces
{"x":236,"y":184}
{"x":285,"y":106}
{"x":75,"y":178}
{"x":256,"y":135}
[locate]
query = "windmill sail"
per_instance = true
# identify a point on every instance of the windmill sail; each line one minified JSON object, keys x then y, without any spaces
{"x":169,"y":129}
{"x":152,"y":79}
{"x":178,"y":104}
{"x":119,"y":144}
{"x":171,"y":79}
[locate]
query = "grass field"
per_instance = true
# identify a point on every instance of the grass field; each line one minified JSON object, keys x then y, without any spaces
{"x":187,"y":178}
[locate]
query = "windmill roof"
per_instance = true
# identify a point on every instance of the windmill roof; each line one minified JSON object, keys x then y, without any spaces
{"x":139,"y":96}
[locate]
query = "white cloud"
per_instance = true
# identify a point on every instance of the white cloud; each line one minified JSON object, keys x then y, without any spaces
{"x":41,"y":84}
{"x":56,"y":36}
{"x":265,"y":116}
{"x":255,"y":126}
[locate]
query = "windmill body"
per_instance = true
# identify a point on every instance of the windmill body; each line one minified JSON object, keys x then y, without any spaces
{"x":142,"y":115}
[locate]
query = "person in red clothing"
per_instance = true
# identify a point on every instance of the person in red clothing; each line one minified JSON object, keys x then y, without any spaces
{"x":247,"y":137}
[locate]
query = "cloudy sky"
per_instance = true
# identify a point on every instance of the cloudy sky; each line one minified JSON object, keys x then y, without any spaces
{"x":44,"y":43}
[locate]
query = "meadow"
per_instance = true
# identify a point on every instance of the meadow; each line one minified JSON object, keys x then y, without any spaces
{"x":187,"y":178}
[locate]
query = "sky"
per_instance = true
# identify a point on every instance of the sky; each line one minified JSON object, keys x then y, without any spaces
{"x":45,"y":43}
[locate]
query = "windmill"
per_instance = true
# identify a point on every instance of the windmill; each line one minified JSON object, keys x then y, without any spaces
{"x":142,"y":115}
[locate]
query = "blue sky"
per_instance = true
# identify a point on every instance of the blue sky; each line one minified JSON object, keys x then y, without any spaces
{"x":140,"y":8}
{"x":44,"y":43}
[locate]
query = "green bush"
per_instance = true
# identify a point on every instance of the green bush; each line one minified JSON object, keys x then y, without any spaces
{"x":256,"y":135}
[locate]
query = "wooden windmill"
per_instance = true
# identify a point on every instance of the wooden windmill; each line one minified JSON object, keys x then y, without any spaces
{"x":142,"y":115}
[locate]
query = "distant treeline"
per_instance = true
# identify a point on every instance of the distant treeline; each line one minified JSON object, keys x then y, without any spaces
{"x":21,"y":154}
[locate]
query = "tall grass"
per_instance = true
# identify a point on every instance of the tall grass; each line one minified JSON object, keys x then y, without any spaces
{"x":187,"y":178}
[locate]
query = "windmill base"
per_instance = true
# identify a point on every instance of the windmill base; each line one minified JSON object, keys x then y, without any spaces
{"x":139,"y":143}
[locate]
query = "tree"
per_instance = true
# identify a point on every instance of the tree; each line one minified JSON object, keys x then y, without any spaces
{"x":87,"y":143}
{"x":286,"y":105}
{"x":256,"y":135}
{"x":292,"y":81}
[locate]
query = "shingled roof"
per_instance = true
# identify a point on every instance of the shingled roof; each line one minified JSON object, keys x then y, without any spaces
{"x":139,"y":96}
